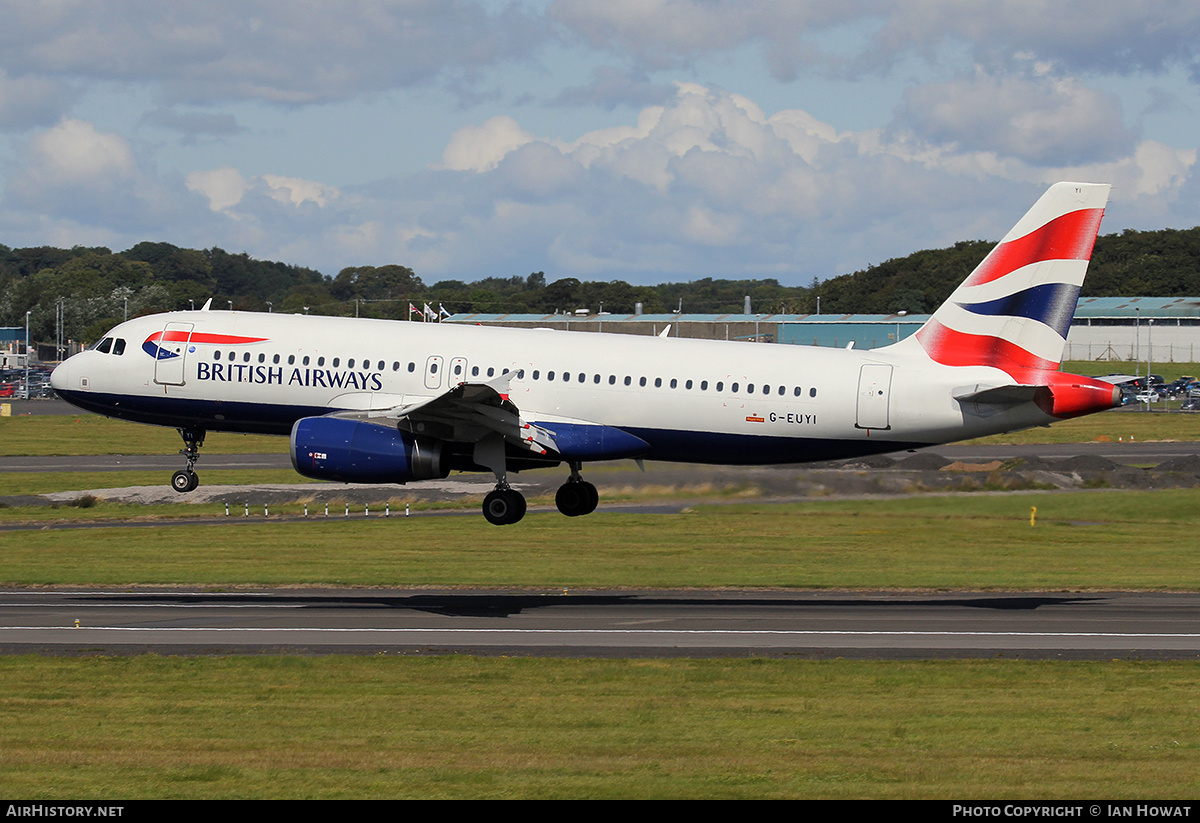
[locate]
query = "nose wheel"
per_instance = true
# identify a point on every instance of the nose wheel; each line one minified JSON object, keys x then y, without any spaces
{"x":186,"y":479}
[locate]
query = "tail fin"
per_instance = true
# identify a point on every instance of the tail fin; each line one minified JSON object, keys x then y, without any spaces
{"x":1015,"y":309}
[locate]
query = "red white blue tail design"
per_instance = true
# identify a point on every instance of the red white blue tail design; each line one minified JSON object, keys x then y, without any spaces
{"x":1014,"y":311}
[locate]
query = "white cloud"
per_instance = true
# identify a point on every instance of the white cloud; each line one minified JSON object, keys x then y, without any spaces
{"x":75,"y":152}
{"x":1037,"y":119}
{"x":297,"y":191}
{"x":224,"y":187}
{"x":479,"y":148}
{"x":268,"y":50}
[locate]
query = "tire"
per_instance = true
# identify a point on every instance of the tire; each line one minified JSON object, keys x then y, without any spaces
{"x":576,"y":498}
{"x":503,"y":507}
{"x":184,"y":481}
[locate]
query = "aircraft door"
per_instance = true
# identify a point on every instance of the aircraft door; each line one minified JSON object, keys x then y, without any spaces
{"x":458,"y":371}
{"x":433,"y":372}
{"x":170,"y":353}
{"x":874,"y":389}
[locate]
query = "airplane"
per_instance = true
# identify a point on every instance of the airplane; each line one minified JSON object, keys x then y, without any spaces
{"x":382,"y":401}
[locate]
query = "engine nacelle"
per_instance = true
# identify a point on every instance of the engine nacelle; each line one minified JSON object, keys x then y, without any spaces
{"x":354,"y":451}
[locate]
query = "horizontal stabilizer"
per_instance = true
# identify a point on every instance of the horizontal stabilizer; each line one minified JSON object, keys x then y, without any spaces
{"x":999,"y":395}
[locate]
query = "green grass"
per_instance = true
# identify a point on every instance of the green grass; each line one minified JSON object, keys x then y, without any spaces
{"x":49,"y":435}
{"x":1082,"y":540}
{"x":460,"y":727}
{"x":16,"y":483}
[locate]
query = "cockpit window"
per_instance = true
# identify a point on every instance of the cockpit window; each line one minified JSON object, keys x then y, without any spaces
{"x":119,"y":345}
{"x":104,"y":346}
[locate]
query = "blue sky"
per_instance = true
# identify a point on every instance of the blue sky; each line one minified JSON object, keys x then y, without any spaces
{"x":642,"y":140}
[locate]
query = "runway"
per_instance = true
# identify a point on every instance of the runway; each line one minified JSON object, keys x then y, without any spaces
{"x":599,"y":624}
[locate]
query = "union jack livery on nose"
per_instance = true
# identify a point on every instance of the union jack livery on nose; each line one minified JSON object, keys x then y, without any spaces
{"x":168,"y":343}
{"x":379,"y":401}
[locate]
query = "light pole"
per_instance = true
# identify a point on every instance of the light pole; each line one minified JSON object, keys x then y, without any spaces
{"x":27,"y":354}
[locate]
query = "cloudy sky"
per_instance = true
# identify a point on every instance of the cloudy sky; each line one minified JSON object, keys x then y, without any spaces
{"x":642,"y":140}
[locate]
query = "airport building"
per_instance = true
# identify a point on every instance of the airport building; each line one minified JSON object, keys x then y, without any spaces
{"x":1134,"y":329}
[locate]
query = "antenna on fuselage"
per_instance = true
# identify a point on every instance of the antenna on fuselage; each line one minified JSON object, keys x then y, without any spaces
{"x":207,"y":303}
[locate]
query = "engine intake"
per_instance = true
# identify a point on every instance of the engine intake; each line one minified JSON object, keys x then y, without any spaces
{"x":355,"y":451}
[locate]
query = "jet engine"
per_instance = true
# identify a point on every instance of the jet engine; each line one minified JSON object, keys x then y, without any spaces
{"x":355,"y":451}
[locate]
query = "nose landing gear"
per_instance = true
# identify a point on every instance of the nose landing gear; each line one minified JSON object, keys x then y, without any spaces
{"x":186,"y":479}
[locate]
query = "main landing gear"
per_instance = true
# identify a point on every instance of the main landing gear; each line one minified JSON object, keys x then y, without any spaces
{"x":576,"y":497}
{"x":186,"y":479}
{"x":505,"y":505}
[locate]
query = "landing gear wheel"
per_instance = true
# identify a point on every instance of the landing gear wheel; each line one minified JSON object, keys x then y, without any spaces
{"x":184,"y":481}
{"x":503,"y":507}
{"x":576,"y":498}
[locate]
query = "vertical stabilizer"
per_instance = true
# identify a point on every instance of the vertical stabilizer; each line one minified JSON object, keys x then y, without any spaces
{"x":1015,"y":309}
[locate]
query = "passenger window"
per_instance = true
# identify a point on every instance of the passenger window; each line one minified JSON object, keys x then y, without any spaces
{"x":216,"y":355}
{"x":275,"y":360}
{"x":321,"y":361}
{"x":720,"y":385}
{"x":658,"y":382}
{"x":812,"y":392}
{"x":703,"y":385}
{"x":291,"y":359}
{"x":262,"y":358}
{"x":350,"y":365}
{"x":628,"y":380}
{"x":734,"y":388}
{"x":336,"y":361}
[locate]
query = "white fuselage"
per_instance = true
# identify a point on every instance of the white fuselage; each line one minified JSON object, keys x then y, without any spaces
{"x":692,"y":400}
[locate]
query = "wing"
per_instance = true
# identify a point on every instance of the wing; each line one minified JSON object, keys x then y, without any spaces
{"x":471,"y":411}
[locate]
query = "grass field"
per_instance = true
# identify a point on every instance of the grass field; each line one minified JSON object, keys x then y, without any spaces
{"x":462,"y":727}
{"x":1081,"y":540}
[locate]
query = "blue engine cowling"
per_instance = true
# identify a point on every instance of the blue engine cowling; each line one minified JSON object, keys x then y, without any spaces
{"x":354,"y":451}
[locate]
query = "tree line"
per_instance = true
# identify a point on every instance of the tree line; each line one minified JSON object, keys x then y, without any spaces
{"x":82,"y":292}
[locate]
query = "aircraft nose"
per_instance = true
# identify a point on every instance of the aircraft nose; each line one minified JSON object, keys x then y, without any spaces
{"x":60,"y":375}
